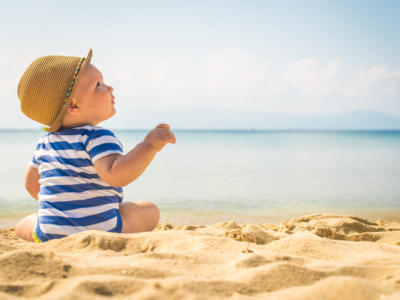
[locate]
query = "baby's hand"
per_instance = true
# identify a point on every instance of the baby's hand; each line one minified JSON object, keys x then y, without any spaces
{"x":159,"y":136}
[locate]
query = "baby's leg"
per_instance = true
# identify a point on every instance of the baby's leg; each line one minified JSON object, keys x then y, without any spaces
{"x":24,"y":228}
{"x":139,"y":216}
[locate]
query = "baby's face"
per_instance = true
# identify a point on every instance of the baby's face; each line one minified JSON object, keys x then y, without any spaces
{"x":93,"y":99}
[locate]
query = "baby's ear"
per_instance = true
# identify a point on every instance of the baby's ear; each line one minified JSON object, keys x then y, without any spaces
{"x":73,"y":108}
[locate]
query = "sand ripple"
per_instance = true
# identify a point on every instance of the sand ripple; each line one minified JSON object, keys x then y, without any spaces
{"x":324,"y":256}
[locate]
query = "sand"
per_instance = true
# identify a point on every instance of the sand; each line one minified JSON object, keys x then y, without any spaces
{"x":321,"y":256}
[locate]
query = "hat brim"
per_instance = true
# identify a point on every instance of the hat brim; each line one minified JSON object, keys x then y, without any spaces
{"x":60,"y":117}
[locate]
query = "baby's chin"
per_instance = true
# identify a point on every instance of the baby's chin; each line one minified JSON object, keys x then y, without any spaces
{"x":113,"y":112}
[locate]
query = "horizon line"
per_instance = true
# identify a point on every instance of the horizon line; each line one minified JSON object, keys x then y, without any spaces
{"x":251,"y":129}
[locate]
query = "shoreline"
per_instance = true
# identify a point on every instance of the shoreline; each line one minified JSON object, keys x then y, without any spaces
{"x":211,"y":217}
{"x":307,"y":257}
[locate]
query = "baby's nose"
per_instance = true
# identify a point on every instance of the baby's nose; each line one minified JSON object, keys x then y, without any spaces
{"x":111,"y":89}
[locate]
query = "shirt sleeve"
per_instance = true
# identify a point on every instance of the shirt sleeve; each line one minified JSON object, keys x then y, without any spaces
{"x":34,"y":163}
{"x":102,"y":142}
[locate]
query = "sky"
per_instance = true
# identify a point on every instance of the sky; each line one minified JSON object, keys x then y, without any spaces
{"x":292,"y":57}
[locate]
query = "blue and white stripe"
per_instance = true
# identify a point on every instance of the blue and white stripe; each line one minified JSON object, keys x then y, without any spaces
{"x":72,"y":196}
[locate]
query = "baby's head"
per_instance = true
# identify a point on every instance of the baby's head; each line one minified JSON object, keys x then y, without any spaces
{"x":65,"y":91}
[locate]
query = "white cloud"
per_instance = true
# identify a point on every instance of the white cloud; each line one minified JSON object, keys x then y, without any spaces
{"x":235,"y":72}
{"x":311,"y":77}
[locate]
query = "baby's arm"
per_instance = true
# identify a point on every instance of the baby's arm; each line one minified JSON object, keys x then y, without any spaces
{"x":120,"y":170}
{"x":32,"y":184}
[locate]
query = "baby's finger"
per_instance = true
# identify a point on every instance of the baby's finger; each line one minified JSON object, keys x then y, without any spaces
{"x":170,"y":133}
{"x":163,"y":125}
{"x":170,"y":139}
{"x":173,"y":135}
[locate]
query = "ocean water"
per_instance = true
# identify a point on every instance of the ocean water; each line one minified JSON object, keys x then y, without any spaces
{"x":212,"y":176}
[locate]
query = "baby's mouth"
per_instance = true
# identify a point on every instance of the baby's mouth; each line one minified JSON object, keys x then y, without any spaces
{"x":112,"y":100}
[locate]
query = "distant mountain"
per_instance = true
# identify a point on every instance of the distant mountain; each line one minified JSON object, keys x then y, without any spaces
{"x":220,"y":118}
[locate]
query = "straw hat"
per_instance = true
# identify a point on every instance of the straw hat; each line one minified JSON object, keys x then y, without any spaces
{"x":46,"y":88}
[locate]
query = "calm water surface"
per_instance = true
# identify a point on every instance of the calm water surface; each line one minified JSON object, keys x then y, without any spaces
{"x":248,"y":176}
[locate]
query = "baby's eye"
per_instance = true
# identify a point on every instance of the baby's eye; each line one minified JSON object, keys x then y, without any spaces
{"x":98,"y":83}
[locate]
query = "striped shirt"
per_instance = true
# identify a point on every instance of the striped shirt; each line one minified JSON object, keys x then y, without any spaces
{"x":72,"y":197}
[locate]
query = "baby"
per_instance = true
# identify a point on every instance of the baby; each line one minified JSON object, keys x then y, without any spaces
{"x":78,"y":168}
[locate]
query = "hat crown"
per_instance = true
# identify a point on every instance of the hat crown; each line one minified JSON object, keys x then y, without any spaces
{"x":46,"y":88}
{"x":44,"y":85}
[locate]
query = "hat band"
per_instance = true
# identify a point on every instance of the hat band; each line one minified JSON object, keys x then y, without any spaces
{"x":73,"y":81}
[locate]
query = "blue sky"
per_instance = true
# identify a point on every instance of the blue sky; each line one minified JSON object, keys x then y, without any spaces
{"x":297,"y":57}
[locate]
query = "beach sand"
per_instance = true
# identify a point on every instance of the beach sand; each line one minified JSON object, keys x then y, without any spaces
{"x":322,"y":256}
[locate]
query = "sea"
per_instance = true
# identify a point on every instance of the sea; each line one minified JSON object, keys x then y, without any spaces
{"x":246,"y":176}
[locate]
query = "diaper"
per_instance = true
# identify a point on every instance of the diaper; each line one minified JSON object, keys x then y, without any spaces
{"x":34,"y":236}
